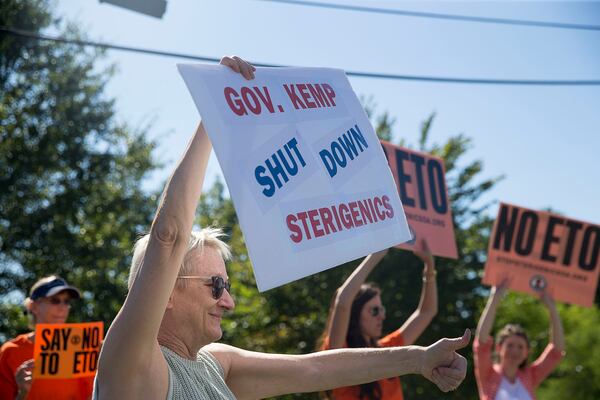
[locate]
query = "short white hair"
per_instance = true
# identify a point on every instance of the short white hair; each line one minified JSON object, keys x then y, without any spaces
{"x":210,"y":237}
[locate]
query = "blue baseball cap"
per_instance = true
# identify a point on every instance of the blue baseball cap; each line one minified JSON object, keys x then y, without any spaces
{"x":51,"y":287}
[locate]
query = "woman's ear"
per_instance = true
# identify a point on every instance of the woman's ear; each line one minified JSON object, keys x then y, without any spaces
{"x":31,"y":306}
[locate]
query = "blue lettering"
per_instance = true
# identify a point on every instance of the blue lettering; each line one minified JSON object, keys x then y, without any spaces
{"x":338,"y":154}
{"x":357,"y":134}
{"x":348,"y":145}
{"x":264,"y":181}
{"x":329,"y":163}
{"x":280,"y":166}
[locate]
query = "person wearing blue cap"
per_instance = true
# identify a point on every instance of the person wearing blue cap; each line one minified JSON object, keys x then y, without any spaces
{"x":49,"y":302}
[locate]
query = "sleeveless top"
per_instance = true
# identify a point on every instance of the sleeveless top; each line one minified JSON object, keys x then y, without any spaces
{"x":202,"y":379}
{"x":512,"y":391}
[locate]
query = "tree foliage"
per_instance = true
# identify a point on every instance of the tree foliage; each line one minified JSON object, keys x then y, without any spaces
{"x":71,"y":200}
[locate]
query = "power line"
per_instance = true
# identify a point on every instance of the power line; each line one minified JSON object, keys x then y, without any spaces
{"x":87,"y":43}
{"x":419,"y":14}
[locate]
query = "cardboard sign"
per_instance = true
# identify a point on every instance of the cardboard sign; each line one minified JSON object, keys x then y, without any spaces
{"x":303,"y":165}
{"x":542,"y":250}
{"x":421,"y":182}
{"x":66,"y":350}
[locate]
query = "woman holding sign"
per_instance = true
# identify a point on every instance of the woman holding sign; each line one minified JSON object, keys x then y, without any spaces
{"x":162,"y":344}
{"x":356,"y":317}
{"x":513,"y":378}
{"x":49,"y":302}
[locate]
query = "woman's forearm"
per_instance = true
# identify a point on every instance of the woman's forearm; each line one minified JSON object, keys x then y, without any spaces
{"x":486,"y":322}
{"x":557,"y":336}
{"x":351,"y":285}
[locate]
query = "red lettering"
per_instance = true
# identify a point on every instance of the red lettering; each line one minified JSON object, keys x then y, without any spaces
{"x":335,"y":218}
{"x":265,"y":98}
{"x":318,"y":95}
{"x":296,"y":101}
{"x":365,"y":213}
{"x":327,"y":221}
{"x":315,"y":223}
{"x":248,"y":94}
{"x":345,"y":214}
{"x":236,"y":104}
{"x":378,"y":203}
{"x":296,"y":235}
{"x":302,"y":215}
{"x":306,"y":95}
{"x":329,"y":92}
{"x":388,"y":207}
{"x":354,"y":211}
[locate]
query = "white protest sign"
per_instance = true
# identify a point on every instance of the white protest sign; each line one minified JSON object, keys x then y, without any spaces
{"x":306,"y":172}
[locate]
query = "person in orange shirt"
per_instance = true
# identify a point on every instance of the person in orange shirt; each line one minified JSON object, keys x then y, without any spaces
{"x":356,"y":318}
{"x":513,"y":378}
{"x":49,"y":302}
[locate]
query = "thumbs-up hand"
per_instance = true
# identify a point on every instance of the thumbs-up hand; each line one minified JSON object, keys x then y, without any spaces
{"x":443,"y":366}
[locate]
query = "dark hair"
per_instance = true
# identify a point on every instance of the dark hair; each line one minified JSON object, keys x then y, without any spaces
{"x":354,"y":337}
{"x":512,"y":330}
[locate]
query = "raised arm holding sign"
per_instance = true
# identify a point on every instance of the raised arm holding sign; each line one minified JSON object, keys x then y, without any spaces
{"x":161,"y":344}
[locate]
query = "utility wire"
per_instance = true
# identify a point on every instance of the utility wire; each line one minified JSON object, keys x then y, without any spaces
{"x":87,"y":43}
{"x":419,"y":14}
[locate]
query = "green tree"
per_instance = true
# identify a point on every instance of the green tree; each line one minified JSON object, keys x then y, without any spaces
{"x":71,"y":201}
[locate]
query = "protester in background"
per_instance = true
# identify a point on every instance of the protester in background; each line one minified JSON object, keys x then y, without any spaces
{"x":356,"y":318}
{"x":49,"y":302}
{"x":513,"y":378}
{"x":161,"y":344}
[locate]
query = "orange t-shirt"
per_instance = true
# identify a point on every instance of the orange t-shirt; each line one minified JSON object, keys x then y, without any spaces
{"x":20,"y":349}
{"x":391,"y":389}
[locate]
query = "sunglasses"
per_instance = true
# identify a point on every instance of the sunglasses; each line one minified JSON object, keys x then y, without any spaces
{"x":376,"y":310}
{"x":217,"y":282}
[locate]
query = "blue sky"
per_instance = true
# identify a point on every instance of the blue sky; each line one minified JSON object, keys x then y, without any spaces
{"x":545,"y":140}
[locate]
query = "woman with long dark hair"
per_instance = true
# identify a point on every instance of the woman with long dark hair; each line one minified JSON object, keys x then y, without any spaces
{"x":356,"y":318}
{"x":513,"y":378}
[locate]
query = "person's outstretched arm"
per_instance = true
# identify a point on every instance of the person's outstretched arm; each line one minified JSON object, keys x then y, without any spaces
{"x":554,"y":352}
{"x":344,"y":296}
{"x":486,"y":321}
{"x":557,"y":335}
{"x":131,"y":362}
{"x":252,"y":375}
{"x":428,"y":304}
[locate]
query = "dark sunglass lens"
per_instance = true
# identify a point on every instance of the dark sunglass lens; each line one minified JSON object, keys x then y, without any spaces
{"x":376,"y":310}
{"x":218,"y":284}
{"x":55,"y":302}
